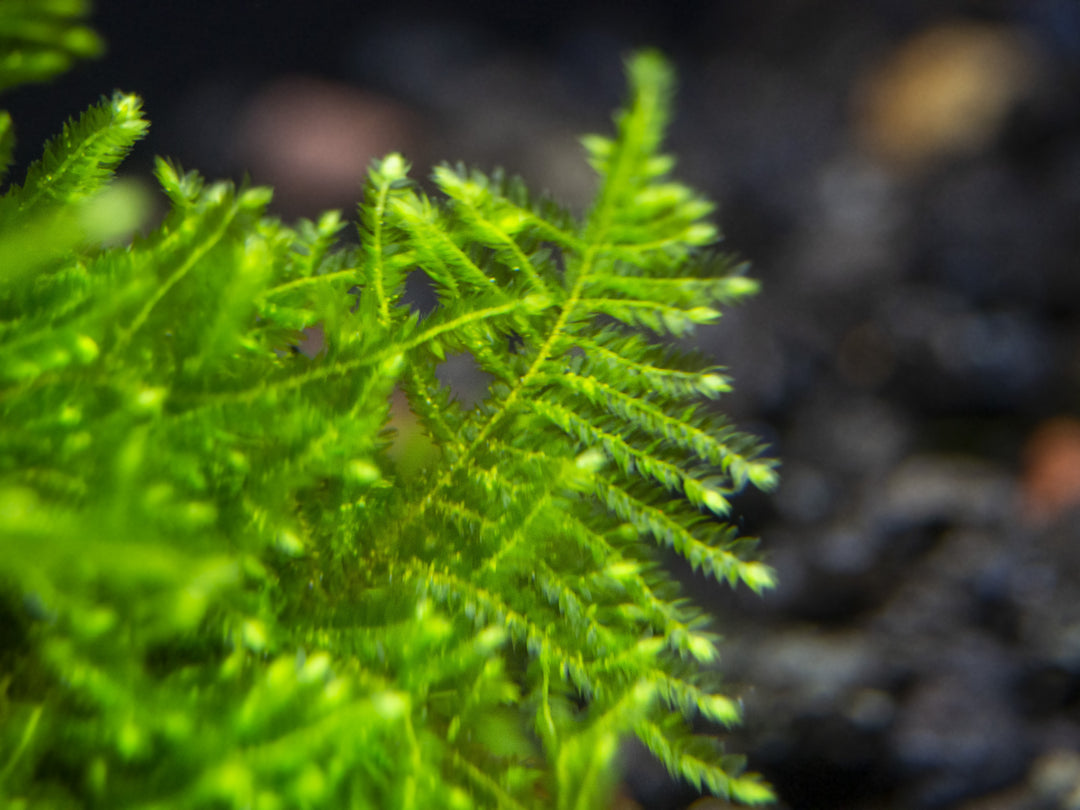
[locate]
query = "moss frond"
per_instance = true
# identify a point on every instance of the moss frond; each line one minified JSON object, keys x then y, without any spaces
{"x":40,"y":39}
{"x":227,"y":588}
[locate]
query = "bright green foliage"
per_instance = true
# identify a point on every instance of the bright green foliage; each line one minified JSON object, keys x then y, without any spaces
{"x":216,"y":590}
{"x":41,"y":38}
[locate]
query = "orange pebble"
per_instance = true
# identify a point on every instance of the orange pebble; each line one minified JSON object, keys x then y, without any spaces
{"x":1051,"y":483}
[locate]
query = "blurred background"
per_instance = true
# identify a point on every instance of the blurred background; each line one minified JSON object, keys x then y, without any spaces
{"x":905,"y":177}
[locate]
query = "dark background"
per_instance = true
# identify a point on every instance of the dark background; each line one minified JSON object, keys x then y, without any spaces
{"x":905,"y":177}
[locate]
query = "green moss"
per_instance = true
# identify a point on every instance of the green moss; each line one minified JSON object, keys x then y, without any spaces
{"x":225,"y":589}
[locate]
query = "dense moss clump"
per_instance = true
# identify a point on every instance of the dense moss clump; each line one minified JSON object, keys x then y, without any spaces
{"x":216,"y":587}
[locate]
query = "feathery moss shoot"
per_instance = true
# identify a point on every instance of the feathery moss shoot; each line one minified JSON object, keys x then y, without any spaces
{"x":217,"y":590}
